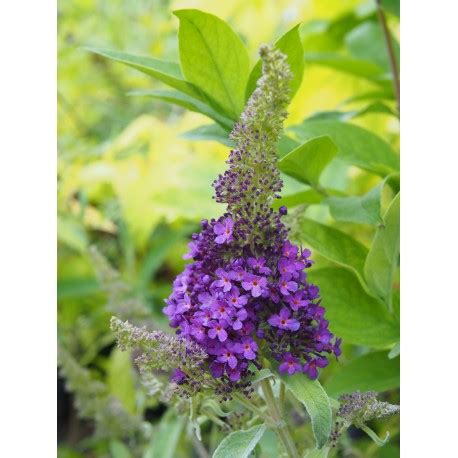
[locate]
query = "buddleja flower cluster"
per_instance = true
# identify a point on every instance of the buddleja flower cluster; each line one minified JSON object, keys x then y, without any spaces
{"x":246,"y":292}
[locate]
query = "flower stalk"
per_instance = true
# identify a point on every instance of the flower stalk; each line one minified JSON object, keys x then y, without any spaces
{"x":279,"y":424}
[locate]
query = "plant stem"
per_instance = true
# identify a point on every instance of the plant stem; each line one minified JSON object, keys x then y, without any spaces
{"x":280,"y":425}
{"x":250,"y":406}
{"x":391,"y":56}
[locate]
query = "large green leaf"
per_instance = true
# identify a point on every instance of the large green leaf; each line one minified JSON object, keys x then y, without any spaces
{"x":353,"y":315}
{"x":240,"y":443}
{"x":367,"y":42}
{"x":188,"y":102}
{"x":307,"y":161}
{"x":332,"y":244}
{"x":165,"y":440}
{"x":290,"y":44}
{"x":165,"y":71}
{"x":382,"y":260}
{"x":334,"y":115}
{"x":362,"y":209}
{"x":357,"y":209}
{"x":213,"y":58}
{"x":316,"y":402}
{"x":120,"y":379}
{"x":317,"y":453}
{"x":358,"y":67}
{"x":373,"y":371}
{"x":357,"y":146}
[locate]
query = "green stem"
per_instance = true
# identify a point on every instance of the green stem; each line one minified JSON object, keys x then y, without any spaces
{"x":391,"y":56}
{"x":250,"y":406}
{"x":280,"y":425}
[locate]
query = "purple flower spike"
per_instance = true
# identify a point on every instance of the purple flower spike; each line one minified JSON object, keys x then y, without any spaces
{"x":289,"y":365}
{"x":283,"y":321}
{"x":217,"y":330}
{"x":224,"y":231}
{"x":255,"y":284}
{"x":246,"y":285}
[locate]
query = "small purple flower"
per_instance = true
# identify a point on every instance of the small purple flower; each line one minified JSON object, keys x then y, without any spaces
{"x":247,"y":347}
{"x":217,"y":330}
{"x":198,"y":332}
{"x":237,"y":318}
{"x":289,"y":364}
{"x":237,"y":274}
{"x":224,"y":231}
{"x":289,"y":250}
{"x":286,"y":285}
{"x":254,"y":283}
{"x":224,"y":280}
{"x":217,"y":369}
{"x":286,"y":266}
{"x":227,"y":356}
{"x":178,"y":376}
{"x":234,"y":374}
{"x":297,"y":300}
{"x":222,"y":311}
{"x":310,"y":368}
{"x":283,"y":320}
{"x":283,"y":210}
{"x":259,"y":264}
{"x":235,"y":299}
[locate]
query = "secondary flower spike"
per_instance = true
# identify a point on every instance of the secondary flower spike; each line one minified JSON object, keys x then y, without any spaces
{"x":245,"y":293}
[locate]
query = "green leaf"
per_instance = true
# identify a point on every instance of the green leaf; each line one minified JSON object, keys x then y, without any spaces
{"x":162,"y":70}
{"x":120,"y":379}
{"x":211,"y":132}
{"x":165,"y":440}
{"x":307,"y":161}
{"x":185,"y":101}
{"x":260,"y":374}
{"x":213,"y":58}
{"x":119,"y":450}
{"x":392,"y":6}
{"x":373,"y":371}
{"x":316,"y":402}
{"x":289,"y":44}
{"x":308,"y":196}
{"x":353,"y":315}
{"x":361,"y":209}
{"x":240,"y":443}
{"x":367,"y":42}
{"x":333,"y":245}
{"x":269,"y":445}
{"x":358,"y":67}
{"x":382,"y":260}
{"x":357,"y":146}
{"x":317,"y":453}
{"x":375,"y":107}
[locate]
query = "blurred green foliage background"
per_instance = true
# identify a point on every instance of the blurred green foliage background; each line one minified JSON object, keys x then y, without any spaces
{"x":131,"y":185}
